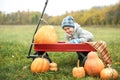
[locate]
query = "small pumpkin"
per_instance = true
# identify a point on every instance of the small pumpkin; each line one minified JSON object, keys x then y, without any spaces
{"x":40,"y":65}
{"x":93,"y":64}
{"x":53,"y":66}
{"x":109,"y":74}
{"x":46,"y":35}
{"x":78,"y":72}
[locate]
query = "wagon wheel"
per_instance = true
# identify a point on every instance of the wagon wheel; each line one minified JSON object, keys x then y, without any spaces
{"x":41,"y":53}
{"x":83,"y":62}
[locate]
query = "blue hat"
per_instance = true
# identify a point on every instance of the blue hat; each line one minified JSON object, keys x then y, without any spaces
{"x":68,"y":21}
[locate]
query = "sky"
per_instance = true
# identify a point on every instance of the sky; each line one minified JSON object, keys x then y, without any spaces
{"x":54,"y":7}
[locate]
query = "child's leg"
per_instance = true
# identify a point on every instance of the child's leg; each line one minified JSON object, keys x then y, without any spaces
{"x":82,"y":56}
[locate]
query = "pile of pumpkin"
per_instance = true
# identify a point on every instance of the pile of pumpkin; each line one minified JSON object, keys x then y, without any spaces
{"x":93,"y":65}
{"x":42,"y":65}
{"x":45,"y":35}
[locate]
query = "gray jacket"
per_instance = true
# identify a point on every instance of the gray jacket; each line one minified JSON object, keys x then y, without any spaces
{"x":80,"y":33}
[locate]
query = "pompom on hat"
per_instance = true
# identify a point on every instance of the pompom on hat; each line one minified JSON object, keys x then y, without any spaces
{"x":68,"y":22}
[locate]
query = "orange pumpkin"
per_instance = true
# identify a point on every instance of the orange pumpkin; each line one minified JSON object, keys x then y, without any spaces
{"x":40,"y":65}
{"x":93,"y":64}
{"x":46,"y":35}
{"x":53,"y":66}
{"x":78,"y":72}
{"x":109,"y":74}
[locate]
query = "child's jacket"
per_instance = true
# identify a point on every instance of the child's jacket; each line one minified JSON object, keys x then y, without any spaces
{"x":80,"y":35}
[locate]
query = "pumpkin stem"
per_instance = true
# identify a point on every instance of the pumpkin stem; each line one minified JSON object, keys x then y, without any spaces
{"x":43,"y":55}
{"x":112,"y":72}
{"x":78,"y":63}
{"x":108,"y":65}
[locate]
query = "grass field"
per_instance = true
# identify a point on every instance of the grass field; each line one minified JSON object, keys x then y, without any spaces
{"x":15,"y":41}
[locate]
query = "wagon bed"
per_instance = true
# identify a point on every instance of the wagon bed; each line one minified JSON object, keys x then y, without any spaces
{"x":64,"y":47}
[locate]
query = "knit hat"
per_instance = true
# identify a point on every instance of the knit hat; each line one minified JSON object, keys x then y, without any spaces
{"x":68,"y":21}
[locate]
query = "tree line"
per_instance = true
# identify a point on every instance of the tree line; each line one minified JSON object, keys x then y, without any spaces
{"x":107,"y":15}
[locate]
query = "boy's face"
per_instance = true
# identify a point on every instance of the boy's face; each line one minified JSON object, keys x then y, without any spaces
{"x":68,"y":30}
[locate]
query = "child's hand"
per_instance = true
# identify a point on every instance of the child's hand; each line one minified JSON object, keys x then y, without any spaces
{"x":75,"y":41}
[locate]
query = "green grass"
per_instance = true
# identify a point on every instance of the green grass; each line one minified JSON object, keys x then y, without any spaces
{"x":15,"y":41}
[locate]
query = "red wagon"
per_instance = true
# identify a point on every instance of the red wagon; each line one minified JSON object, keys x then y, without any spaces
{"x":61,"y":47}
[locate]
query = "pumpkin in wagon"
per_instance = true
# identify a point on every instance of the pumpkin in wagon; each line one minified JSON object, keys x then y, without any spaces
{"x":46,"y":35}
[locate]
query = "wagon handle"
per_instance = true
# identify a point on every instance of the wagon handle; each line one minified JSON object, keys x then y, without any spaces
{"x":37,"y":28}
